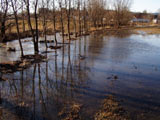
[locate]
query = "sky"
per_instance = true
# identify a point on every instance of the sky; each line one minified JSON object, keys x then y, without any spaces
{"x":151,"y":6}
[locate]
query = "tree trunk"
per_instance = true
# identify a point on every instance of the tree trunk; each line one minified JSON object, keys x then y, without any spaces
{"x":3,"y":31}
{"x":37,"y":31}
{"x":44,"y":29}
{"x":30,"y":26}
{"x":23,"y":18}
{"x":17,"y":26}
{"x":79,"y":17}
{"x":3,"y":22}
{"x":19,"y":39}
{"x":54,"y":22}
{"x":62,"y":25}
{"x":68,"y":19}
{"x":54,"y":25}
{"x":75,"y":26}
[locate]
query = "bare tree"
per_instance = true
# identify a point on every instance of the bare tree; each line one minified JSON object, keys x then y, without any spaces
{"x":61,"y":18}
{"x":23,"y":16}
{"x":54,"y":19}
{"x":44,"y":14}
{"x":68,"y":12}
{"x":15,"y":5}
{"x":79,"y":15}
{"x":122,"y":13}
{"x":74,"y":13}
{"x":35,"y":41}
{"x":97,"y":11}
{"x":84,"y":16}
{"x":3,"y":19}
{"x":35,"y":4}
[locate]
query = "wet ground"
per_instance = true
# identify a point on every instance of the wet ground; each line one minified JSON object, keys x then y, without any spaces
{"x":80,"y":76}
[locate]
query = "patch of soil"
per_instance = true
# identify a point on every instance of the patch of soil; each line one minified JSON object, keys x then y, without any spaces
{"x":24,"y":63}
{"x":70,"y":112}
{"x":111,"y":110}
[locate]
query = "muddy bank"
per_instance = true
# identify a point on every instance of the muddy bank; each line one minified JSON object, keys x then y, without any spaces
{"x":26,"y":34}
{"x":19,"y":65}
{"x":149,"y":29}
{"x":14,"y":36}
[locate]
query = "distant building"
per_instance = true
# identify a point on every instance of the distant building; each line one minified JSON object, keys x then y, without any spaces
{"x":146,"y":18}
{"x":155,"y":21}
{"x":156,"y":18}
{"x":140,"y":20}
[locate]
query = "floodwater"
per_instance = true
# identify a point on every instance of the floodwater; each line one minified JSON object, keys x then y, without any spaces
{"x":41,"y":91}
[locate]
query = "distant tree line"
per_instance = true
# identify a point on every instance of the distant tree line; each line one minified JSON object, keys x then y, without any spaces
{"x":71,"y":17}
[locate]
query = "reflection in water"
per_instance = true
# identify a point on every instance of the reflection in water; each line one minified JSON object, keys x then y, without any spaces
{"x":44,"y":89}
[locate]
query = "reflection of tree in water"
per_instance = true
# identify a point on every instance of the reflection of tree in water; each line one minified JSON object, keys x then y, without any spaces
{"x":119,"y":33}
{"x":118,"y":48}
{"x":96,"y":44}
{"x":45,"y":88}
{"x":70,"y":78}
{"x":116,"y":43}
{"x":66,"y":80}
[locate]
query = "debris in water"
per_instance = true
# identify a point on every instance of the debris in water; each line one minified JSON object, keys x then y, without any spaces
{"x":55,"y":47}
{"x":156,"y":69}
{"x":44,"y":52}
{"x":115,"y":77}
{"x":109,"y":77}
{"x":11,"y":49}
{"x":81,"y":57}
{"x":47,"y":41}
{"x":135,"y":67}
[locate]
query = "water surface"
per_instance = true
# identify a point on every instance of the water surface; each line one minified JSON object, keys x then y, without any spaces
{"x":40,"y":91}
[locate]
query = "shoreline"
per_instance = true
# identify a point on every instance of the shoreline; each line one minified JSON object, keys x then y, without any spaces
{"x":149,"y":29}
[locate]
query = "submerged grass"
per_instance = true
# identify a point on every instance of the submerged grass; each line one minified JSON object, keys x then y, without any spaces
{"x":111,"y":110}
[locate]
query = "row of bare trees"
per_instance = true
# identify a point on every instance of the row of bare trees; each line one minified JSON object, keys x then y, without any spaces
{"x":75,"y":17}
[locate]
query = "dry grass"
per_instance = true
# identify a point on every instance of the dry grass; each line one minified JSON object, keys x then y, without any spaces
{"x":149,"y":30}
{"x":111,"y":110}
{"x":49,"y":26}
